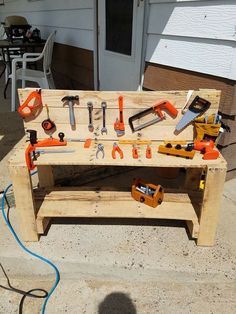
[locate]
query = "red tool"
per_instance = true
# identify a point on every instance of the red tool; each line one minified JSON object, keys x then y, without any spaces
{"x":119,"y":125}
{"x":157,"y":110}
{"x":32,"y":105}
{"x":206,"y":147}
{"x":30,"y":155}
{"x":48,"y":124}
{"x":135,"y":152}
{"x":148,"y":152}
{"x":117,"y":149}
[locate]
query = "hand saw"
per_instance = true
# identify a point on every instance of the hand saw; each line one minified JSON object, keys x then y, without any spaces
{"x":196,"y":108}
{"x":157,"y":110}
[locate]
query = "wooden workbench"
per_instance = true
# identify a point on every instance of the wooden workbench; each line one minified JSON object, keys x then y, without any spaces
{"x":110,"y":197}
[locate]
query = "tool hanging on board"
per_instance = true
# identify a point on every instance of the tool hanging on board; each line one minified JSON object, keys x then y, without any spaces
{"x":104,"y":107}
{"x":156,"y":110}
{"x":148,"y":152}
{"x":119,"y":125}
{"x":30,"y":155}
{"x":135,"y":152}
{"x":137,"y":142}
{"x":147,"y":193}
{"x":117,"y":149}
{"x":70,"y":101}
{"x":196,"y":108}
{"x":32,"y":106}
{"x":100,"y":151}
{"x":90,"y":110}
{"x":87,"y":142}
{"x":48,"y":124}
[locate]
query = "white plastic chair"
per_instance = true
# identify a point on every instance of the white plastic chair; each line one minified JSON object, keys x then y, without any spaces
{"x":43,"y":78}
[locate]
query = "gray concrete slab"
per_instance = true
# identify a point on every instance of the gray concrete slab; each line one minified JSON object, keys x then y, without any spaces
{"x":118,"y":267}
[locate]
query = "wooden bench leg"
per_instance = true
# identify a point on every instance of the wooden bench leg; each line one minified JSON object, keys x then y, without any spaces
{"x":46,"y":179}
{"x":214,"y":184}
{"x":25,"y":207}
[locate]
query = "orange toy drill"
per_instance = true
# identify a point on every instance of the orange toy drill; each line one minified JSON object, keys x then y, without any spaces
{"x":206,"y":147}
{"x":30,"y":155}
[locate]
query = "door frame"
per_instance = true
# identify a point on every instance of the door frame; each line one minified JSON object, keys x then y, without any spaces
{"x":143,"y":45}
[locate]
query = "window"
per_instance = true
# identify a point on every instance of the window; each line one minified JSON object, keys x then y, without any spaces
{"x":119,"y":24}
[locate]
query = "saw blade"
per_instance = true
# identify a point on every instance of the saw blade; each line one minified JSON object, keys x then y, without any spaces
{"x":186,"y":119}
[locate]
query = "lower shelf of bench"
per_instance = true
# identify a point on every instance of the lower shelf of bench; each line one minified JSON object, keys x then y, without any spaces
{"x":69,"y":202}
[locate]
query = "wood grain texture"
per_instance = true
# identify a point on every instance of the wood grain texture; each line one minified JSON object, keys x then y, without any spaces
{"x":159,"y":77}
{"x":25,"y":204}
{"x":214,"y":185}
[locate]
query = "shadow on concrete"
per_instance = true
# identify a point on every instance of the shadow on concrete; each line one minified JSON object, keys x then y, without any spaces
{"x":117,"y":303}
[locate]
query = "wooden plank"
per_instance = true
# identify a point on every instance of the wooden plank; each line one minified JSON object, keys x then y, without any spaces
{"x":134,"y":102}
{"x":63,"y":203}
{"x":214,"y":185}
{"x":88,"y":157}
{"x":25,"y":205}
{"x":45,"y":176}
{"x":142,"y":99}
{"x":46,"y":179}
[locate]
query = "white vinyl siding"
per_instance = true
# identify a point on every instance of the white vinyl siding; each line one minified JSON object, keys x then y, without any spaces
{"x":194,"y":35}
{"x":73,"y":19}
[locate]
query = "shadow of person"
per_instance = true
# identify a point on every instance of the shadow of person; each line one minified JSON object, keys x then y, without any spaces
{"x":117,"y":303}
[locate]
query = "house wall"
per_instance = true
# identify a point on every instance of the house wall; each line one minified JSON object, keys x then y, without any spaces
{"x":73,"y":59}
{"x":191,"y":45}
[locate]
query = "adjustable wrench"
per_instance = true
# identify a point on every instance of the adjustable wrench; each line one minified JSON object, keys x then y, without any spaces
{"x":104,"y":106}
{"x":90,"y":109}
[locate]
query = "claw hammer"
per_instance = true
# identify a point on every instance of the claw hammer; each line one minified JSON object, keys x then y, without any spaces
{"x":70,"y":101}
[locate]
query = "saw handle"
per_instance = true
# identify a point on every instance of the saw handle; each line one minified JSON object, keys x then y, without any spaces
{"x":166,"y":106}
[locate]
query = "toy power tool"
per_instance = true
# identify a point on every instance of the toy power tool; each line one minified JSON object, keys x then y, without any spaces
{"x":206,"y":147}
{"x":32,"y":105}
{"x":156,"y":110}
{"x":30,"y":154}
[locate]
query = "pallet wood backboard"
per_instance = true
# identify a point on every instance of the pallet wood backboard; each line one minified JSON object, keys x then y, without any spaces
{"x":134,"y":102}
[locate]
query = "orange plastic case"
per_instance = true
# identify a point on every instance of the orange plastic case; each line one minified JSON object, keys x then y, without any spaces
{"x":154,"y":199}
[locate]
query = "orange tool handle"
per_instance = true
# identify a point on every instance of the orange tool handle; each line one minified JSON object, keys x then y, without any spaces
{"x":148,"y":152}
{"x":117,"y":149}
{"x":120,"y":100}
{"x":166,"y":106}
{"x":28,"y":107}
{"x":203,"y":145}
{"x":135,"y":152}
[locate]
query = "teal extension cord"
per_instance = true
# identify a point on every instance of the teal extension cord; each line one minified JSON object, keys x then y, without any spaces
{"x":57,"y":279}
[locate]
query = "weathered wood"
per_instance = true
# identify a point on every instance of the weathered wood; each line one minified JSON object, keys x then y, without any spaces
{"x":96,"y":200}
{"x":25,"y":205}
{"x":46,"y":179}
{"x":214,"y":184}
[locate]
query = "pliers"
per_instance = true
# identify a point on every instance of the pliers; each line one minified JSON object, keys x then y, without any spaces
{"x":100,"y":149}
{"x":115,"y":149}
